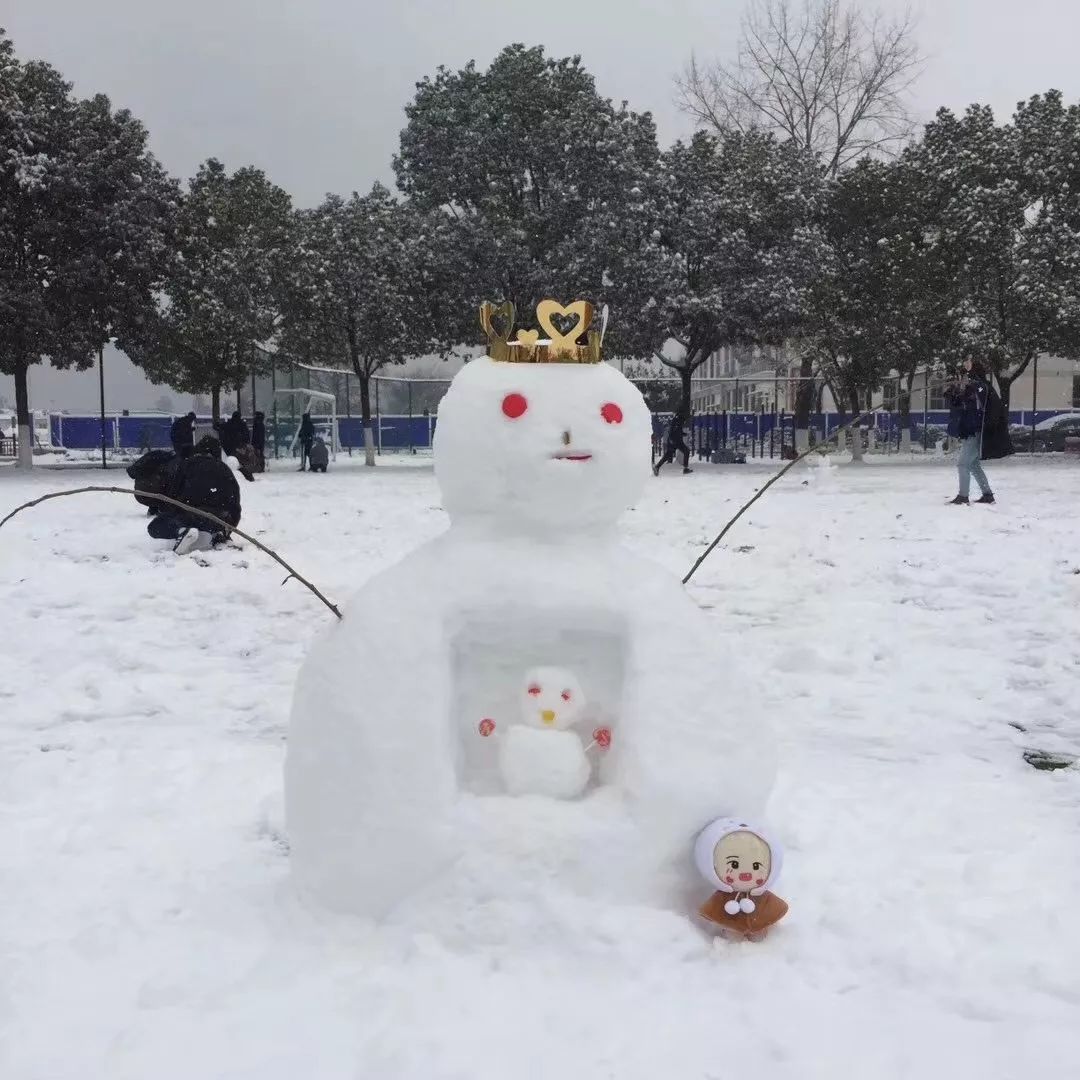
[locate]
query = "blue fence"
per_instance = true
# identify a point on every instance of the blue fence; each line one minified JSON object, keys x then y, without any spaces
{"x":152,"y":432}
{"x":757,"y":433}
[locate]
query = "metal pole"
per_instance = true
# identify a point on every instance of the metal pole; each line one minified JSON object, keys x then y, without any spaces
{"x":378,"y":419}
{"x":101,"y":389}
{"x":292,"y":402}
{"x":1034,"y":399}
{"x":253,"y":395}
{"x":348,"y":411}
{"x":412,"y":448}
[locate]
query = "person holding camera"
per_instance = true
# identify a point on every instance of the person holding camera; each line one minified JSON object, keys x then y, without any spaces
{"x":968,"y":396}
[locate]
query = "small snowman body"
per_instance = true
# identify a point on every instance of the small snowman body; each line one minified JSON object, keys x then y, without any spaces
{"x":539,"y":755}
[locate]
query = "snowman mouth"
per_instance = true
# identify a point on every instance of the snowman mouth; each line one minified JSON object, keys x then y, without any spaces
{"x":567,"y":456}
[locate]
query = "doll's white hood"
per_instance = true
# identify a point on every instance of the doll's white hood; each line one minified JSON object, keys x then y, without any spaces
{"x":712,"y":834}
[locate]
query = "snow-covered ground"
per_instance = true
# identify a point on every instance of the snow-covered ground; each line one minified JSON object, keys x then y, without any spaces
{"x":148,"y":931}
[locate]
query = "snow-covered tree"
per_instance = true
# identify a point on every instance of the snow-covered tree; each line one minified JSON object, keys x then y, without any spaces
{"x":222,"y":297}
{"x":360,"y":293}
{"x":887,"y":301}
{"x":1006,"y":203}
{"x":722,"y":248}
{"x":85,"y":224}
{"x":533,"y":168}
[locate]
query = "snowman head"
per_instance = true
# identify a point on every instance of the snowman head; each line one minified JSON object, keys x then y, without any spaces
{"x":552,"y":448}
{"x":551,"y":698}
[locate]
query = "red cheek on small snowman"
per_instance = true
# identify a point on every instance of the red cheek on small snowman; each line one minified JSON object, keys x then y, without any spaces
{"x":611,"y":413}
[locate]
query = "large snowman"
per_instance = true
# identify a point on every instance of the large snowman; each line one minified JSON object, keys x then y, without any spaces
{"x":393,"y":793}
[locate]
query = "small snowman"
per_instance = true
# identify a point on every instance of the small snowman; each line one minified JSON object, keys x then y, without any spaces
{"x":741,"y":863}
{"x":539,"y":755}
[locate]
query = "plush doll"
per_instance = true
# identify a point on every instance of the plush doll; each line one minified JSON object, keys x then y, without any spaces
{"x":741,"y":863}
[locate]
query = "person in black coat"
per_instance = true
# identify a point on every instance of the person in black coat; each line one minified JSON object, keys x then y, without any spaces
{"x":305,"y":436}
{"x":149,"y":474}
{"x":203,"y":482}
{"x":318,"y":456}
{"x":182,"y":432}
{"x":258,"y":441}
{"x":675,"y":442}
{"x":968,"y":397}
{"x":234,"y":434}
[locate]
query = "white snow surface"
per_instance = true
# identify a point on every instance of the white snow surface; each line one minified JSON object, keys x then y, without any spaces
{"x":148,"y":925}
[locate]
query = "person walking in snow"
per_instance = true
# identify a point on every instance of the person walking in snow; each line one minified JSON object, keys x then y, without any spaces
{"x":675,"y":442}
{"x":182,"y":432}
{"x":968,"y":397}
{"x":306,"y":437}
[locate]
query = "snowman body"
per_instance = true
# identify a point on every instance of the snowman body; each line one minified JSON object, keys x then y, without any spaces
{"x":391,"y":796}
{"x":540,"y":755}
{"x":551,"y":763}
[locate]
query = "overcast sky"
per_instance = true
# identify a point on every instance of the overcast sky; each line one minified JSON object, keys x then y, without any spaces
{"x":313,"y":91}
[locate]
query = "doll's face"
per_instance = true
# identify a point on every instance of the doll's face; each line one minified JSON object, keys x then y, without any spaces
{"x":742,"y":860}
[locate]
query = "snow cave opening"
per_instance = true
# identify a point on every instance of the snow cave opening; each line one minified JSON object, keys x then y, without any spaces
{"x":493,"y":653}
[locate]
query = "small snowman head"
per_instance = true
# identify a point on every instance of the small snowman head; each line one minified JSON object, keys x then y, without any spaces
{"x":735,"y":857}
{"x":551,"y":698}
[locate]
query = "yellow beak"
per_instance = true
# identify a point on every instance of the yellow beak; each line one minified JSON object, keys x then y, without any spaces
{"x":547,"y":716}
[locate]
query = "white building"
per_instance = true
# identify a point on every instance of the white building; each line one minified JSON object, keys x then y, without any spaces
{"x":749,"y":379}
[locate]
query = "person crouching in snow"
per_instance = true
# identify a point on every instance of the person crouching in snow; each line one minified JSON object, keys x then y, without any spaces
{"x":203,"y":482}
{"x":968,"y":397}
{"x":741,"y":863}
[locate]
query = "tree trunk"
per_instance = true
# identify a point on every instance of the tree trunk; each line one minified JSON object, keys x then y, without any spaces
{"x":215,"y":403}
{"x":804,"y":402}
{"x":1005,"y":389}
{"x":856,"y":431}
{"x":685,"y":375}
{"x":1005,"y":383}
{"x":365,"y":415}
{"x":903,"y":404}
{"x":23,"y":419}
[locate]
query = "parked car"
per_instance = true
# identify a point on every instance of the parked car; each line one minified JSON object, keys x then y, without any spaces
{"x":1049,"y":435}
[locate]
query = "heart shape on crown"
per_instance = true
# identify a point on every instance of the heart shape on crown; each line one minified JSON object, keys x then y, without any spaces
{"x":504,"y":311}
{"x":546,"y":310}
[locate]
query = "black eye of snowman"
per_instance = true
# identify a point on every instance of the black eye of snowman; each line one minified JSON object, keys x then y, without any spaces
{"x":611,"y":413}
{"x":566,"y":695}
{"x":514,"y":406}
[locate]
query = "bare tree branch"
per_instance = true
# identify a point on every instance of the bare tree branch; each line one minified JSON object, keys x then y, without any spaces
{"x":824,"y":75}
{"x":187,"y":510}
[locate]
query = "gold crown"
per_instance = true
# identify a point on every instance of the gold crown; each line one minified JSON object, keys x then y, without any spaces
{"x":529,"y":347}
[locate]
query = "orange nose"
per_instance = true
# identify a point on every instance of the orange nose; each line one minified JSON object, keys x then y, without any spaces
{"x":547,"y":716}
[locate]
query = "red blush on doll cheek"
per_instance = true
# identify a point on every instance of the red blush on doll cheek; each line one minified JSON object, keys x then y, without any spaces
{"x":760,"y":881}
{"x":730,"y":880}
